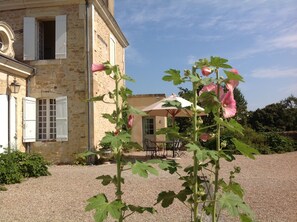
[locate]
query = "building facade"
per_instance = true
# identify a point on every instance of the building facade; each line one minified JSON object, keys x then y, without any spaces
{"x":48,"y":47}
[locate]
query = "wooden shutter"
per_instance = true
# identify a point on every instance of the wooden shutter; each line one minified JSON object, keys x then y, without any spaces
{"x":30,"y":42}
{"x":62,"y":119}
{"x":61,"y":37}
{"x":29,"y":119}
{"x":112,"y":50}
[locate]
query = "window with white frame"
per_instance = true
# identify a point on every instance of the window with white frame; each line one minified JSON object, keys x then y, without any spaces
{"x":50,"y":121}
{"x":112,"y":50}
{"x":45,"y":38}
{"x":46,"y":119}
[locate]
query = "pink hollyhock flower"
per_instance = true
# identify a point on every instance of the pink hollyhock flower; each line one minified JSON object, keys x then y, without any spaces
{"x":231,"y":84}
{"x":97,"y":67}
{"x":130,"y":121}
{"x":228,"y":105}
{"x":204,"y":137}
{"x":206,"y":71}
{"x":212,"y":88}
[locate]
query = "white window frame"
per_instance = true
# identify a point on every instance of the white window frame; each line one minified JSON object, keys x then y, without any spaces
{"x":112,"y":50}
{"x":30,"y":119}
{"x":46,"y":119}
{"x":31,"y":37}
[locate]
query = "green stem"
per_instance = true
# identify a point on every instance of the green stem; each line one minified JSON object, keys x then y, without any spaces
{"x":217,"y":162}
{"x":118,"y":151}
{"x":195,"y":138}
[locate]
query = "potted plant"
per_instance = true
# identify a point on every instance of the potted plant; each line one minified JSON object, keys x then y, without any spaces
{"x":105,"y":152}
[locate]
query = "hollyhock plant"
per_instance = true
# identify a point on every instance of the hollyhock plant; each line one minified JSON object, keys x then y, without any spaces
{"x":231,"y":84}
{"x":98,"y":67}
{"x":204,"y":137}
{"x":130,"y":121}
{"x":212,"y":88}
{"x":206,"y":71}
{"x":229,"y":105}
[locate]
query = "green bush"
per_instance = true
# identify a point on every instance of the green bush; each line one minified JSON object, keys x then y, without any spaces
{"x":17,"y":165}
{"x":265,"y":143}
{"x":280,"y":144}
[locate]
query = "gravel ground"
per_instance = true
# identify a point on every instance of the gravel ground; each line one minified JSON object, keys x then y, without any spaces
{"x":270,"y":183}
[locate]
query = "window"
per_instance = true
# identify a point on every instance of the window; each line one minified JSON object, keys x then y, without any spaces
{"x":112,"y":50}
{"x":45,"y":39}
{"x":46,"y":44}
{"x":45,"y":119}
{"x":149,"y":128}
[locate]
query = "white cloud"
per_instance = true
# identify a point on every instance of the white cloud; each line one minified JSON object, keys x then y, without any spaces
{"x":275,"y":72}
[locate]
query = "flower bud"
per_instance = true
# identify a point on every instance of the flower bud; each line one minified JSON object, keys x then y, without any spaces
{"x":206,"y":71}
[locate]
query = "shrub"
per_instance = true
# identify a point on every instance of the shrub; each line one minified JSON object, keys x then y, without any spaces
{"x":17,"y":165}
{"x":280,"y":144}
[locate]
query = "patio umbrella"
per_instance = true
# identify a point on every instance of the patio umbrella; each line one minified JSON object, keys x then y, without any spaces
{"x":161,"y":109}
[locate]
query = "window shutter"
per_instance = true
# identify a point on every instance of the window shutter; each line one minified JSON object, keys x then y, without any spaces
{"x":29,"y":119}
{"x":62,"y":118}
{"x":4,"y":123}
{"x":61,"y":37}
{"x":112,"y":50}
{"x":29,"y":38}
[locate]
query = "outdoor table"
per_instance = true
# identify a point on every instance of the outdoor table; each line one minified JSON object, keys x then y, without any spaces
{"x":165,"y":145}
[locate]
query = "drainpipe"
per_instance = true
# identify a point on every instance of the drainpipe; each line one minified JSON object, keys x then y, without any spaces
{"x":88,"y":74}
{"x":8,"y":93}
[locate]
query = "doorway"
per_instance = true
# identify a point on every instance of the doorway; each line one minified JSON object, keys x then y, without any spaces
{"x":149,"y":129}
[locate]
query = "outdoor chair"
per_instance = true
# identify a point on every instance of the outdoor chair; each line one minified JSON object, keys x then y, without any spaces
{"x":178,"y":146}
{"x":150,"y":148}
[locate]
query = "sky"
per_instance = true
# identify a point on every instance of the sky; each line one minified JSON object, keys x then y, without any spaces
{"x":258,"y":37}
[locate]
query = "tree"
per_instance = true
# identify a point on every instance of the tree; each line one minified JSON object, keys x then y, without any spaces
{"x":281,"y":116}
{"x":241,"y":106}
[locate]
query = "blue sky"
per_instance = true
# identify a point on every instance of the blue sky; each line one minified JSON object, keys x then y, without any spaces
{"x":258,"y":37}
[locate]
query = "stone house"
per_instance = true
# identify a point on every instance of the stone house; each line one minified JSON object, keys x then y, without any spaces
{"x":145,"y":127}
{"x":47,"y":48}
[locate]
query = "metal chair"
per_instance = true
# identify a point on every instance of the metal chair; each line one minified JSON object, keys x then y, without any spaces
{"x":150,"y":148}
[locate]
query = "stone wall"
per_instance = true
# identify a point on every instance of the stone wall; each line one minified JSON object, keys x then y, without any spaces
{"x":102,"y":83}
{"x":68,"y":77}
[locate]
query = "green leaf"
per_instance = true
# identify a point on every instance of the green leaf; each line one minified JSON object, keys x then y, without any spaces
{"x":102,"y":208}
{"x":194,"y":78}
{"x":106,"y":179}
{"x":143,"y":169}
{"x":244,"y":148}
{"x":173,"y":75}
{"x":172,"y":103}
{"x":133,"y":110}
{"x":231,"y":125}
{"x":140,"y":209}
{"x":169,"y":165}
{"x":245,"y":218}
{"x":233,"y":76}
{"x":97,"y":98}
{"x":209,"y":102}
{"x":110,"y":118}
{"x":219,"y":62}
{"x":234,"y":204}
{"x":166,"y":198}
{"x":128,"y":78}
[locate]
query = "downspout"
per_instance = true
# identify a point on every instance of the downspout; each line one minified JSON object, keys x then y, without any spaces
{"x":88,"y":74}
{"x":8,"y":93}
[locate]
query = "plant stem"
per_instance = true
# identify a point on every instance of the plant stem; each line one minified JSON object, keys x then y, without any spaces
{"x":217,"y":162}
{"x":118,"y":151}
{"x":195,"y":138}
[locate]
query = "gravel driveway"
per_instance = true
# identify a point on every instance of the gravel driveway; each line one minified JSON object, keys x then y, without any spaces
{"x":270,"y":183}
